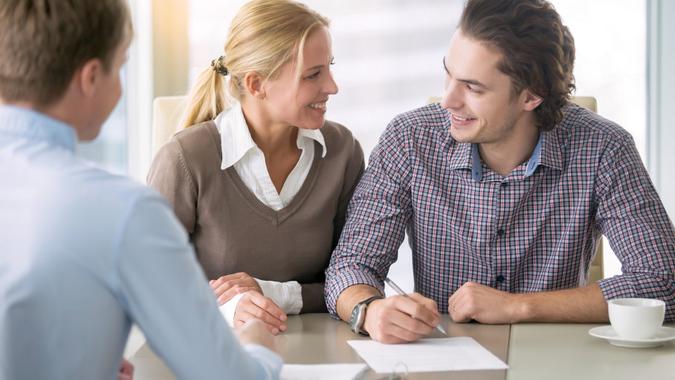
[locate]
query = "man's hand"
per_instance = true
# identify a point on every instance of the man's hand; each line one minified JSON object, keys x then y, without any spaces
{"x":226,"y":287}
{"x":400,"y":319}
{"x":255,"y":332}
{"x":483,"y":304}
{"x":254,"y":305}
{"x":126,"y":371}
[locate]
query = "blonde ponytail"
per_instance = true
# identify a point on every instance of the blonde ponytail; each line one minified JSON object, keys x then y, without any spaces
{"x":206,"y":100}
{"x":264,"y":35}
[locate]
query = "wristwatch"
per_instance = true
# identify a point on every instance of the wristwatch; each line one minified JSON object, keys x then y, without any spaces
{"x":358,"y":317}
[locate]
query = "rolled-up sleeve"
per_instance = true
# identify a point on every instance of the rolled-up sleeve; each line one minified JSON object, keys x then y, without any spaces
{"x":376,"y":219}
{"x":637,"y":226}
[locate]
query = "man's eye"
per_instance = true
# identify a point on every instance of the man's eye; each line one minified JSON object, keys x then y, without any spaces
{"x":473,"y":89}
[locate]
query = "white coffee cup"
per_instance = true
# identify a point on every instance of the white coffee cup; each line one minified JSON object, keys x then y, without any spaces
{"x":636,"y":318}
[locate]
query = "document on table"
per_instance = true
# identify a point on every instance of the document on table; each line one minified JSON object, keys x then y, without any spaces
{"x":321,"y":371}
{"x":427,"y":355}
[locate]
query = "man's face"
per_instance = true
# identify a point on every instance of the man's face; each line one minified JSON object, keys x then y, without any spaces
{"x":107,"y":94}
{"x":301,"y":101}
{"x":477,"y":94}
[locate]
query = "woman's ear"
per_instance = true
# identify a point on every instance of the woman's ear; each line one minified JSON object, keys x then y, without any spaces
{"x":253,"y":84}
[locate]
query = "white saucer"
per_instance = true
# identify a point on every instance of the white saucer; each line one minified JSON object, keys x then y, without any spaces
{"x":665,"y":334}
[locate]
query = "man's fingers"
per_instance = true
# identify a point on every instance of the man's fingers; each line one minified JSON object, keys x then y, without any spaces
{"x":427,"y":302}
{"x":417,"y":311}
{"x":403,"y":334}
{"x":459,"y":308}
{"x":410,"y":324}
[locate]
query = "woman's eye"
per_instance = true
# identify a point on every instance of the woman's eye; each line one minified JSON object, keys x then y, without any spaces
{"x":313,"y":76}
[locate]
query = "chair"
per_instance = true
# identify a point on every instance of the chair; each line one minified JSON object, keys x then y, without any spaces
{"x":167,"y":112}
{"x":595,"y":272}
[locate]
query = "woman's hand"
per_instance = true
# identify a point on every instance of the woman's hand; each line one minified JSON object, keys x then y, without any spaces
{"x":229,"y":286}
{"x":253,"y":305}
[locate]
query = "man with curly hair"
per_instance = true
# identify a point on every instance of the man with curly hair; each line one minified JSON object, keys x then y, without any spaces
{"x":505,"y":189}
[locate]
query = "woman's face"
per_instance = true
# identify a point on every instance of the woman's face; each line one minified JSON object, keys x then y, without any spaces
{"x":300,"y":101}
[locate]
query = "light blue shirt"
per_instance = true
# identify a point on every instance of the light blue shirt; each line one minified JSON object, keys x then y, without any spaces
{"x":83,"y":255}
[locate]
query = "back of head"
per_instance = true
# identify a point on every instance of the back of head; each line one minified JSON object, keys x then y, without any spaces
{"x":263,"y":36}
{"x":537,"y":49}
{"x":44,"y":42}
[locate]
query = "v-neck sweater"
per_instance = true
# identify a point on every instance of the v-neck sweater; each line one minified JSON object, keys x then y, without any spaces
{"x":233,"y":231}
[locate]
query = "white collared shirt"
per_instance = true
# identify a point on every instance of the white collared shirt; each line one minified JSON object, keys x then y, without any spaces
{"x":239,"y":150}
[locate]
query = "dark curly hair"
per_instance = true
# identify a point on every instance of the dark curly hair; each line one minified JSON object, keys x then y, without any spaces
{"x":537,"y":49}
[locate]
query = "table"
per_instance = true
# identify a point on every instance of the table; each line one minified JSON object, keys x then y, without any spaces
{"x":533,"y":351}
{"x":566,"y":351}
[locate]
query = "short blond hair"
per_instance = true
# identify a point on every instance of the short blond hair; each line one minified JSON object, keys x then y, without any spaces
{"x":44,"y":42}
{"x":263,"y":36}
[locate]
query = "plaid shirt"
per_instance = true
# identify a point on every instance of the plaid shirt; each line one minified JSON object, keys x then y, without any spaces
{"x":533,"y":230}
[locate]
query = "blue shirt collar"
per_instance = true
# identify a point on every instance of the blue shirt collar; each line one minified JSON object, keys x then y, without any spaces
{"x":532,"y":164}
{"x":29,"y":124}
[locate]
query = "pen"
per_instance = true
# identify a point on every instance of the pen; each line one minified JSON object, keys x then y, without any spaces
{"x":401,"y":292}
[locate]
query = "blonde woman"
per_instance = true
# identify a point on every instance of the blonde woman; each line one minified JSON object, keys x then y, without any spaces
{"x":259,"y":178}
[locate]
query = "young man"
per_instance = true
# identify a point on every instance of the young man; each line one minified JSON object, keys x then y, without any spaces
{"x":85,"y":253}
{"x":505,"y":189}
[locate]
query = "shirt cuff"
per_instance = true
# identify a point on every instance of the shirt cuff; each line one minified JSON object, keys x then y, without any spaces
{"x":287,"y":295}
{"x":337,"y":280}
{"x":270,"y":361}
{"x":229,"y":308}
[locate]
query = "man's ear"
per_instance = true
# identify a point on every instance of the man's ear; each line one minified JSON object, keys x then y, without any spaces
{"x":253,"y":84}
{"x":530,"y":100}
{"x":88,"y":75}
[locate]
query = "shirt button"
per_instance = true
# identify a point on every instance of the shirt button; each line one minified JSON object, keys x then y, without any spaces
{"x":500,"y":279}
{"x":500,"y":232}
{"x":504,"y":184}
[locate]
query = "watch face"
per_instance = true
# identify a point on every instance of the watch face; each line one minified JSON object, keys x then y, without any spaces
{"x":356,"y":321}
{"x":358,"y":317}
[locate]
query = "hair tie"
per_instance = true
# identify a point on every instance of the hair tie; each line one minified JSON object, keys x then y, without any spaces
{"x":217,"y":65}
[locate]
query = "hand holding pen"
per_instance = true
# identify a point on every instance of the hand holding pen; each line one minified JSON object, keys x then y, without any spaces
{"x":401,"y":319}
{"x":400,"y":291}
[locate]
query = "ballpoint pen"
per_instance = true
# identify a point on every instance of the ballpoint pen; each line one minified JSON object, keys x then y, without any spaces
{"x":401,"y":292}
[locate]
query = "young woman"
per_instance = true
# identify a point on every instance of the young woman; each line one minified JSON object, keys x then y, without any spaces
{"x":259,"y":178}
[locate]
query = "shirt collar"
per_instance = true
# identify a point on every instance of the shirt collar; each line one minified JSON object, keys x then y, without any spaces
{"x":236,"y":140}
{"x":547,"y":152}
{"x":305,"y":135}
{"x":551,"y":149}
{"x":461,"y":156}
{"x":33,"y":125}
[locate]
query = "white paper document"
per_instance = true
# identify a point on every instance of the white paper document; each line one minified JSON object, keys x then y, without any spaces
{"x":321,"y":371}
{"x":427,"y":355}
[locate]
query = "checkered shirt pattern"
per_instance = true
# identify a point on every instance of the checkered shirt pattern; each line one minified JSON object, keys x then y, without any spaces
{"x":533,"y":230}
